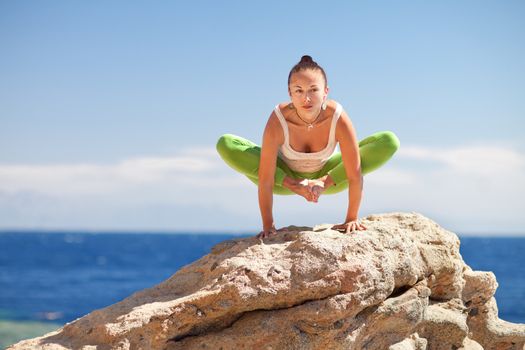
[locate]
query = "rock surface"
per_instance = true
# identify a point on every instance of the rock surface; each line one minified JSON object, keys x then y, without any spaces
{"x":399,"y":285}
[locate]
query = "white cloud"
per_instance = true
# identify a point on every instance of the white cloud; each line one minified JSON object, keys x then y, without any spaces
{"x":477,"y":160}
{"x":153,"y":192}
{"x":196,"y":167}
{"x":470,"y":188}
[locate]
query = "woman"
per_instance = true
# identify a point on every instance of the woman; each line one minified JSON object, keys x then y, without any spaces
{"x":297,"y":154}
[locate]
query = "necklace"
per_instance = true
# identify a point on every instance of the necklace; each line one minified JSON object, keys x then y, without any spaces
{"x":310,"y":125}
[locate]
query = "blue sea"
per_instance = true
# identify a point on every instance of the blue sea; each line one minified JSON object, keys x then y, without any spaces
{"x":50,"y":278}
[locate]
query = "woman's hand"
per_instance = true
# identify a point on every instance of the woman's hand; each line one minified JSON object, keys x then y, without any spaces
{"x":267,"y":233}
{"x":310,"y":189}
{"x":299,"y":186}
{"x":349,"y":227}
{"x":304,"y":189}
{"x":317,"y":187}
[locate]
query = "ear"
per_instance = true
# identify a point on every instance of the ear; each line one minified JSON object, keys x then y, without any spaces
{"x":326,"y":89}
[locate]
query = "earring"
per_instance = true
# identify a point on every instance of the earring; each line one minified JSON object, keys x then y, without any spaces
{"x":323,"y":106}
{"x":291,"y":106}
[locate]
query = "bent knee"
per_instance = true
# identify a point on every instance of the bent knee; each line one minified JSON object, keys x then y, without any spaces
{"x":224,"y":143}
{"x":230,"y":145}
{"x":390,"y":141}
{"x":221,"y":143}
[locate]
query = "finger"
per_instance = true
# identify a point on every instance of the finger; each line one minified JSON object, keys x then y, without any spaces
{"x":340,"y":228}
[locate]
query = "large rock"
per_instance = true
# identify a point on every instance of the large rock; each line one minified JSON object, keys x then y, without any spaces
{"x":401,"y":284}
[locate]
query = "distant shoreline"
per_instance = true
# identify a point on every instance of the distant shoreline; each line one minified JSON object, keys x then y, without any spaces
{"x":123,"y":232}
{"x":232,"y":233}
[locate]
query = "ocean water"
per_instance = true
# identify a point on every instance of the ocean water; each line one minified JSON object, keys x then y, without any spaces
{"x":48,"y":279}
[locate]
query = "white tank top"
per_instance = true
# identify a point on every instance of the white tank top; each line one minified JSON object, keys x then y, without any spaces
{"x":307,"y":162}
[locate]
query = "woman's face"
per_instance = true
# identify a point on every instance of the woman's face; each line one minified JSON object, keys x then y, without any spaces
{"x":308,"y":91}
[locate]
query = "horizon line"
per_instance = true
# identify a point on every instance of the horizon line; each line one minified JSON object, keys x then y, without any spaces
{"x":207,"y":232}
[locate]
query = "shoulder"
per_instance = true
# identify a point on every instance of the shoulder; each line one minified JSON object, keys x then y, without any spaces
{"x":344,"y":125}
{"x":273,"y":121}
{"x":283,"y":106}
{"x":331,"y":106}
{"x":343,"y":117}
{"x":273,"y":131}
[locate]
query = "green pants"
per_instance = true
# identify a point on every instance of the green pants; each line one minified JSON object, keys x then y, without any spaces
{"x":244,"y":156}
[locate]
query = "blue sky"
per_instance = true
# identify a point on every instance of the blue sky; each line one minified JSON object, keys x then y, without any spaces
{"x":109,"y":111}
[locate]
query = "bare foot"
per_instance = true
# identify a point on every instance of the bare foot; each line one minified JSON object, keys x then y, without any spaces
{"x":267,"y":233}
{"x":299,"y":186}
{"x":317,"y":187}
{"x":304,"y":189}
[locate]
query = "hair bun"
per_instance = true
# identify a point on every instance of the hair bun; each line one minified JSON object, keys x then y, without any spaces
{"x":307,"y":59}
{"x":306,"y":62}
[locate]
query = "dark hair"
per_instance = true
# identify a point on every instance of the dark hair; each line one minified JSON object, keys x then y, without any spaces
{"x":307,"y":62}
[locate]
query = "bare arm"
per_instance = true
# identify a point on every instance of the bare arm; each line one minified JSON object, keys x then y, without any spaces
{"x":273,"y":138}
{"x":346,"y":135}
{"x":270,"y":146}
